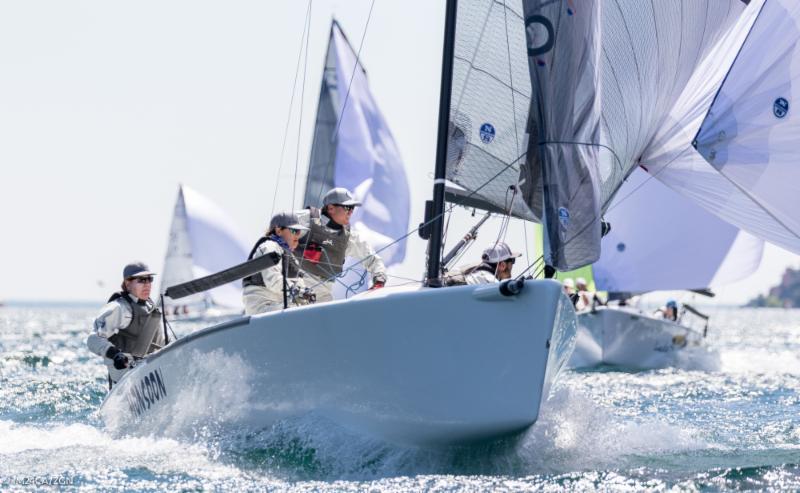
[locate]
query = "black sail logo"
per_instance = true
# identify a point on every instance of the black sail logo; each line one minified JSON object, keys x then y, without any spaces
{"x":146,"y":392}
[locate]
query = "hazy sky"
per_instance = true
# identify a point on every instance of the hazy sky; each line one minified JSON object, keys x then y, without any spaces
{"x":105,"y":107}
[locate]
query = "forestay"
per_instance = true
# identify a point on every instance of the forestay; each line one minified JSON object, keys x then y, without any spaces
{"x":663,"y":241}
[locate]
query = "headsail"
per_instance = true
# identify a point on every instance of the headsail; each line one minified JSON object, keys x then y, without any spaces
{"x":662,"y":241}
{"x":636,"y":60}
{"x":362,"y":156}
{"x":202,"y":241}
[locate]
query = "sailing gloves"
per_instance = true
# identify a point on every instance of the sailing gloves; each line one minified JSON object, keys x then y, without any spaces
{"x":120,"y":359}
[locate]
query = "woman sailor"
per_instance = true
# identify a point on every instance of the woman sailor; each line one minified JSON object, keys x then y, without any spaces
{"x":264,"y":291}
{"x":129,"y":325}
{"x":331,"y":240}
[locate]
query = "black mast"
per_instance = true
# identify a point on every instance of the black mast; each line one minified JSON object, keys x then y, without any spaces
{"x":435,"y":242}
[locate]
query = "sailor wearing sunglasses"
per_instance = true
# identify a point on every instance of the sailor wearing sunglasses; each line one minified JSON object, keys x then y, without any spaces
{"x":263,"y":291}
{"x":129,"y":326}
{"x":330,"y":240}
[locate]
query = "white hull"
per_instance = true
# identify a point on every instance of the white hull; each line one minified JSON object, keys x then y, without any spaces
{"x":422,"y":366}
{"x":628,"y":338}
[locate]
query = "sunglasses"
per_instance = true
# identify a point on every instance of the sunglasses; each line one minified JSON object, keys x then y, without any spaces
{"x":346,"y":207}
{"x":511,"y":261}
{"x":143,"y":280}
{"x":295,"y":232}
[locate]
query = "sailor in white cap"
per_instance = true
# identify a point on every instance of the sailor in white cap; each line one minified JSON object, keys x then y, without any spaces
{"x":129,"y":326}
{"x":497,"y":262}
{"x":263,"y":291}
{"x":330,"y":240}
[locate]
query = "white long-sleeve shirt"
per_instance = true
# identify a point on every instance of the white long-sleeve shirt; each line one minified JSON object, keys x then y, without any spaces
{"x":258,"y":299}
{"x":114,"y":316}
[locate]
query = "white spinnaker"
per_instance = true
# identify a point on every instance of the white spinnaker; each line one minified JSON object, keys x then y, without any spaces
{"x":743,"y":169}
{"x":660,"y":240}
{"x":203,"y":240}
{"x":649,"y":52}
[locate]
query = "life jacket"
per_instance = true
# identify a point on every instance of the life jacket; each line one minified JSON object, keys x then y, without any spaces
{"x":458,"y":276}
{"x":257,"y":279}
{"x":322,"y":252}
{"x":140,"y":337}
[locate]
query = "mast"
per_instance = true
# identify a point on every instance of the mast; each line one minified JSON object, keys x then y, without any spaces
{"x":433,"y":277}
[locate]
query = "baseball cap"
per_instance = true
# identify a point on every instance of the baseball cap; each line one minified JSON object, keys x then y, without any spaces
{"x":498,"y":253}
{"x":136,"y":269}
{"x":340,"y":196}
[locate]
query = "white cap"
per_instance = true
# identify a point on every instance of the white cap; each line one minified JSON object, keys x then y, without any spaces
{"x":498,"y":253}
{"x":580,"y":281}
{"x":568,"y":282}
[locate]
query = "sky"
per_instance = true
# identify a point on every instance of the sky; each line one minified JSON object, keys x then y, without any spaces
{"x":106,"y":107}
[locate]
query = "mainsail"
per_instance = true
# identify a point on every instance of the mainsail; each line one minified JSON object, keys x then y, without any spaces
{"x":662,"y":241}
{"x":354,"y":148}
{"x":202,"y":240}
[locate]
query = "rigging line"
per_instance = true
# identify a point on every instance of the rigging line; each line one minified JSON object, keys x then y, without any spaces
{"x":302,"y":100}
{"x":349,"y":85}
{"x":291,"y":105}
{"x":511,"y":79}
{"x":539,"y":260}
{"x":525,"y":236}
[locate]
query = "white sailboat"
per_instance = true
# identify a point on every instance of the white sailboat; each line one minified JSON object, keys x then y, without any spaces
{"x":528,"y":126}
{"x":202,"y":240}
{"x":660,"y":241}
{"x":390,"y":363}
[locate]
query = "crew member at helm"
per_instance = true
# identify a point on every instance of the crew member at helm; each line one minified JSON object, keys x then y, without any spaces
{"x":263,"y":291}
{"x":330,"y":240}
{"x":129,"y":326}
{"x":497,"y":261}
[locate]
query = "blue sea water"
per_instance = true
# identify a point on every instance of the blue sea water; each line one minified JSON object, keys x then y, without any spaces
{"x":725,"y":421}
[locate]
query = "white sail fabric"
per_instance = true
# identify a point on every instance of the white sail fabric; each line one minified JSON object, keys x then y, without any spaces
{"x":741,"y":168}
{"x":368,"y":161}
{"x":649,"y":52}
{"x":660,"y":240}
{"x":354,"y":148}
{"x":751,"y":132}
{"x":202,"y":241}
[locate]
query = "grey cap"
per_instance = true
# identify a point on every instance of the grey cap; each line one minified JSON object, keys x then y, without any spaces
{"x":286,"y":220}
{"x":340,"y":196}
{"x":498,"y":253}
{"x":136,"y":269}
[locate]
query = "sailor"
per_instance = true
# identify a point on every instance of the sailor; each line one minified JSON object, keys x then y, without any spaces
{"x":586,"y":299}
{"x":668,"y":311}
{"x":330,"y":240}
{"x":497,"y":261}
{"x":263,"y":291}
{"x":568,"y":285}
{"x":129,"y":326}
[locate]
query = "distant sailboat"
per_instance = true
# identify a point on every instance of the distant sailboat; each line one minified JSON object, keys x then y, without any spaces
{"x":353,"y":148}
{"x":202,"y":240}
{"x":660,"y":241}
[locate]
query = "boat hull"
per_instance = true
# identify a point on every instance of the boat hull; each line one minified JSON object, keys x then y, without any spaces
{"x":630,"y":339}
{"x":424,"y":366}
